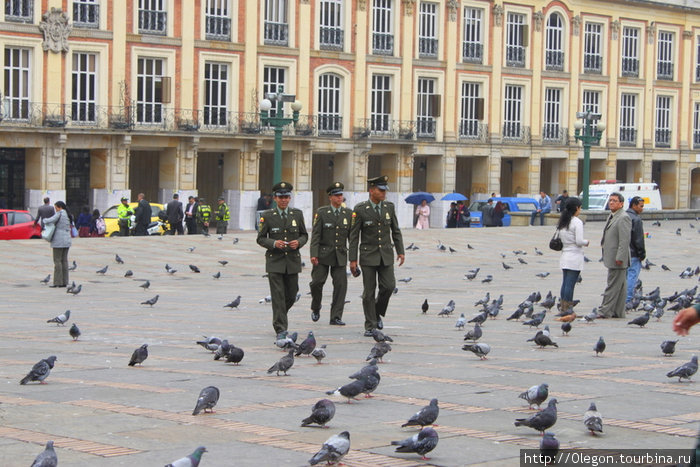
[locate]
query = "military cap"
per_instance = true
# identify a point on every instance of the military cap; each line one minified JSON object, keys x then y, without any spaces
{"x":282,"y":189}
{"x":335,"y":189}
{"x":379,"y":182}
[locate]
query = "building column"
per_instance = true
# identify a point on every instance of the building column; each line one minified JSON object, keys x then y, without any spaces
{"x":534,"y":178}
{"x":449,"y":169}
{"x":250,"y":161}
{"x":303,"y":154}
{"x":494,"y":172}
{"x":611,"y":165}
{"x":683,"y":188}
{"x":186,"y":164}
{"x":360,"y":158}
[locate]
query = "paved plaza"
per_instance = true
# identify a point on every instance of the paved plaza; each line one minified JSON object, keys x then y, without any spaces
{"x":101,"y":412}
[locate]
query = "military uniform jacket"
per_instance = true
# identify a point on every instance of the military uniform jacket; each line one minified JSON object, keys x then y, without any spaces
{"x":273,"y":227}
{"x":377,"y":231}
{"x":329,"y":237}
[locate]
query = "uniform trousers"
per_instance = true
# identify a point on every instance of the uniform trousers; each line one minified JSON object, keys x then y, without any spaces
{"x":283,"y":290}
{"x":319,"y":274}
{"x":221,"y":227}
{"x":613,"y":305}
{"x":375,"y":307}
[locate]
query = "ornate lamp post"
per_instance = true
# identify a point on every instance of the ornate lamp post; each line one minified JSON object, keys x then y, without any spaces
{"x":588,"y":132}
{"x":278,"y":122}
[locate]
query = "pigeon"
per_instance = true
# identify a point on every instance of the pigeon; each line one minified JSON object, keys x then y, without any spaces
{"x":74,"y":332}
{"x":474,"y":334}
{"x":220,"y":237}
{"x":46,"y":458}
{"x":480,"y":318}
{"x":542,"y":274}
{"x":535,"y":321}
{"x":484,"y":301}
{"x":139,"y":355}
{"x":351,"y":390}
{"x":536,"y":394}
{"x":472,"y":275}
{"x":470,"y":247}
{"x":668,"y":347}
{"x":371,"y":383}
{"x":378,"y":351}
{"x":548,"y":302}
{"x":223,"y":262}
{"x":319,"y":353}
{"x":542,"y":420}
{"x":640,"y":320}
{"x":665,"y":268}
{"x":406,"y":280}
{"x":128,"y":273}
{"x":333,"y":450}
{"x":447,"y":309}
{"x":656,"y":223}
{"x":192,"y":460}
{"x":172,"y":271}
{"x":592,"y":316}
{"x":516,"y":314}
{"x":487,"y":279}
{"x":593,"y":420}
{"x":167,"y":267}
{"x":235,"y":240}
{"x":479,"y":349}
{"x":194,"y":268}
{"x":223,"y":350}
{"x":396,"y":290}
{"x":549,"y":448}
{"x":103,"y":270}
{"x":307,"y":346}
{"x":191,"y":249}
{"x":425,"y":306}
{"x":658,"y":313}
{"x":599,"y":346}
{"x":145,"y":285}
{"x":538,"y":252}
{"x":379,"y":336}
{"x":217,"y":275}
{"x":234,"y":303}
{"x":461,"y":321}
{"x":420,"y":443}
{"x":284,"y":364}
{"x":73,"y":267}
{"x":505,"y":266}
{"x":409,"y":247}
{"x":151,"y":301}
{"x":210,"y":343}
{"x":208,"y":397}
{"x":441,"y":247}
{"x":565,"y":328}
{"x":46,"y":279}
{"x":70,"y":288}
{"x":678,"y":231}
{"x":286,"y":341}
{"x":235,"y":355}
{"x":118,"y":259}
{"x":60,"y":319}
{"x":75,"y":290}
{"x":425,"y":416}
{"x":567,"y":318}
{"x":41,"y":369}
{"x":686,"y":370}
{"x":522,"y":261}
{"x":321,"y":413}
{"x":543,"y":340}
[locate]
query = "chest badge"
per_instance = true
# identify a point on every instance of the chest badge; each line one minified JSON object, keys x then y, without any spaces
{"x":387,"y":216}
{"x":294,"y":223}
{"x":345,"y":221}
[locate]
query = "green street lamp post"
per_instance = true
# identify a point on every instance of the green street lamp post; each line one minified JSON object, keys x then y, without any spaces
{"x":588,"y":132}
{"x":278,"y":122}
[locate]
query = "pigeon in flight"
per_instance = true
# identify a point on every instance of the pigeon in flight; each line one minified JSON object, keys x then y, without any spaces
{"x":60,"y":319}
{"x":593,"y":420}
{"x":321,"y":413}
{"x":118,"y":259}
{"x":480,"y":349}
{"x":536,"y":394}
{"x":234,"y":303}
{"x":599,"y":346}
{"x":139,"y":355}
{"x":74,"y":332}
{"x":46,"y":279}
{"x":542,"y":420}
{"x":41,"y":370}
{"x":103,"y":270}
{"x":46,"y":458}
{"x":151,"y":301}
{"x":208,"y":398}
{"x":333,"y":450}
{"x":668,"y":347}
{"x":194,"y":268}
{"x":284,"y":364}
{"x":425,"y":416}
{"x":425,"y":306}
{"x":686,"y":370}
{"x":145,"y":285}
{"x":192,"y":460}
{"x":420,"y":443}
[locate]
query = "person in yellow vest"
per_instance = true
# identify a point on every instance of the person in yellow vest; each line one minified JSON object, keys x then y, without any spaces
{"x":124,"y":214}
{"x":203,"y":216}
{"x":222,"y":216}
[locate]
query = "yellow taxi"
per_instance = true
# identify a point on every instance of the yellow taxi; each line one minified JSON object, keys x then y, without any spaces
{"x":110,"y":217}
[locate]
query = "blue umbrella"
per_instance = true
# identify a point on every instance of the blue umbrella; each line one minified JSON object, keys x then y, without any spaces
{"x":454,"y":197}
{"x":418,"y":197}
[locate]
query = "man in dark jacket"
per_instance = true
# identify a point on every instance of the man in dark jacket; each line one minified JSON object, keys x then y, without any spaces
{"x":175,"y":215}
{"x":487,"y":214}
{"x":143,"y":215}
{"x":637,"y":251}
{"x":45,"y":211}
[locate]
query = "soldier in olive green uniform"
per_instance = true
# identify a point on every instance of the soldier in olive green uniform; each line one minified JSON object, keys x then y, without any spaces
{"x":376,"y":220}
{"x":329,"y":240}
{"x":283,"y":233}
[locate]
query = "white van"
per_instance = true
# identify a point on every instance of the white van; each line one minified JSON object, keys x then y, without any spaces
{"x":599,"y":193}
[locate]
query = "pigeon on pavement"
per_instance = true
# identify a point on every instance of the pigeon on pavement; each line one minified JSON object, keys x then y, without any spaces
{"x":235,"y":355}
{"x":565,"y":328}
{"x":333,"y":450}
{"x":73,"y":267}
{"x":536,"y":394}
{"x":191,"y":249}
{"x":46,"y":458}
{"x":284,"y":364}
{"x":641,"y":320}
{"x":194,"y":268}
{"x":118,"y":259}
{"x":351,"y":390}
{"x":234,"y":303}
{"x":75,"y":290}
{"x":129,"y":273}
{"x":487,"y":279}
{"x":505,"y":266}
{"x":192,"y":460}
{"x":542,"y":420}
{"x":379,"y":336}
{"x":74,"y":332}
{"x":103,"y":270}
{"x":549,"y":448}
{"x":480,"y":349}
{"x":223,"y":262}
{"x":474,"y":334}
{"x":208,"y":397}
{"x":319,"y":353}
{"x":472,"y":275}
{"x":46,"y":279}
{"x":41,"y":369}
{"x":139,"y":355}
{"x":425,"y":306}
{"x":420,"y":443}
{"x":542,"y":274}
{"x":378,"y":351}
{"x":599,"y":346}
{"x":686,"y":370}
{"x":307,"y":346}
{"x":145,"y":285}
{"x":461,"y":321}
{"x":60,"y":319}
{"x":668,"y":347}
{"x":217,"y":275}
{"x":425,"y":416}
{"x":593,"y":420}
{"x":321,"y":413}
{"x":151,"y":301}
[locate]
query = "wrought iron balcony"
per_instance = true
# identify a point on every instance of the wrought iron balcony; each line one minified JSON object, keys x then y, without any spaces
{"x":554,"y":60}
{"x":472,"y":52}
{"x":515,"y":133}
{"x":473,"y":130}
{"x":426,"y":127}
{"x":86,"y":15}
{"x":592,"y":64}
{"x":630,"y":67}
{"x":664,"y":70}
{"x":515,"y":56}
{"x":19,"y":11}
{"x":331,"y":38}
{"x":382,"y":43}
{"x":662,"y":138}
{"x":628,"y":137}
{"x":329,"y":125}
{"x":382,"y":126}
{"x":555,"y":134}
{"x":428,"y":47}
{"x":153,"y":22}
{"x":218,"y":28}
{"x":276,"y":33}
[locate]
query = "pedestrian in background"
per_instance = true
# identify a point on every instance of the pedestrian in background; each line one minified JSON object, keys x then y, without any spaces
{"x":571,"y":261}
{"x":637,"y":250}
{"x":83,"y":222}
{"x":423,"y":213}
{"x":463,"y":216}
{"x":44,"y":211}
{"x":191,"y":215}
{"x":487,"y":213}
{"x":222,"y":216}
{"x":616,"y":257}
{"x":98,"y":227}
{"x":561,"y":200}
{"x":452,"y":216}
{"x":203,"y":215}
{"x":60,"y":242}
{"x":544,"y":207}
{"x":499,"y":212}
{"x":124,"y":214}
{"x":175,"y":215}
{"x":143,"y":215}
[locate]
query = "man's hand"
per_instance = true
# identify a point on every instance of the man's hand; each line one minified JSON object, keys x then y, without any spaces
{"x":294,"y":244}
{"x":314,"y":261}
{"x":684,"y":320}
{"x":353,"y":267}
{"x":280,"y":244}
{"x":401,"y":259}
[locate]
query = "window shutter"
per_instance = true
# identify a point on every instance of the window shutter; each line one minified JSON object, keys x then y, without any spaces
{"x":479,"y":101}
{"x":387,"y":102}
{"x":526,"y":35}
{"x":435,"y":107}
{"x":165,"y":86}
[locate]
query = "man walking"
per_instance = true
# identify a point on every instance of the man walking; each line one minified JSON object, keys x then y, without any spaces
{"x":222,"y":216}
{"x":124,"y":214}
{"x":637,"y":250}
{"x":375,"y":221}
{"x":174,"y":213}
{"x":143,"y":215}
{"x":191,"y":216}
{"x":282,"y":232}
{"x":487,"y":214}
{"x":616,"y":257}
{"x":203,"y":215}
{"x":329,"y":241}
{"x":561,"y":200}
{"x":545,"y":206}
{"x":44,"y":211}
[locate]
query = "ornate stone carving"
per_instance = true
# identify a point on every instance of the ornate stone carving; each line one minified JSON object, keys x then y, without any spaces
{"x":498,"y":15}
{"x":362,"y":5}
{"x":615,"y":28}
{"x":539,"y":17}
{"x":687,"y":34}
{"x":54,"y":25}
{"x":408,"y":6}
{"x":651,"y":32}
{"x":453,"y":8}
{"x":577,"y":25}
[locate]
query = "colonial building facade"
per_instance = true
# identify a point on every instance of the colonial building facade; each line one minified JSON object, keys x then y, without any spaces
{"x":106,"y":98}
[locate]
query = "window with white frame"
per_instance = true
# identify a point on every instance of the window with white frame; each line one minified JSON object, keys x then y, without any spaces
{"x":331,"y":25}
{"x":215,"y":94}
{"x":381,"y":104}
{"x":329,"y":121}
{"x":84,"y":87}
{"x":630,"y":51}
{"x":428,"y":107}
{"x":382,"y":27}
{"x":515,"y":40}
{"x":628,"y":120}
{"x":149,"y":90}
{"x":153,"y":17}
{"x":696,"y":126}
{"x":591,"y":101}
{"x":86,"y":13}
{"x":512,"y":112}
{"x":471,"y":112}
{"x":472,"y":41}
{"x":664,"y":68}
{"x":663,"y":122}
{"x":427,"y":29}
{"x":551,"y":128}
{"x":218,"y":20}
{"x":276,"y":23}
{"x":17,"y":83}
{"x":593,"y":48}
{"x":554,"y":44}
{"x":274,"y":80}
{"x":21,"y":11}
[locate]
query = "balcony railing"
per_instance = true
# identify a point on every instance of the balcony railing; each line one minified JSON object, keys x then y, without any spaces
{"x":382,"y":43}
{"x":664,"y":70}
{"x":473,"y":130}
{"x":153,"y":22}
{"x":628,"y":137}
{"x":592,"y":64}
{"x":662,"y":138}
{"x":382,"y":126}
{"x":428,"y":47}
{"x":331,"y":38}
{"x":515,"y":133}
{"x":329,"y":125}
{"x":276,"y":33}
{"x":554,"y":60}
{"x":555,"y":134}
{"x":515,"y":56}
{"x":426,"y":127}
{"x":218,"y":28}
{"x":630,"y":67}
{"x":472,"y":52}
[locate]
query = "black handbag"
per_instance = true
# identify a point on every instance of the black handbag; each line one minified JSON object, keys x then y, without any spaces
{"x":555,"y":243}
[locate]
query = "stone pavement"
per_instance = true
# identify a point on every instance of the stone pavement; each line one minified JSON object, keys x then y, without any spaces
{"x":100,"y":412}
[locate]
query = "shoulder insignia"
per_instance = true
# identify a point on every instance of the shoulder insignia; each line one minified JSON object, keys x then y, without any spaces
{"x":262,"y":219}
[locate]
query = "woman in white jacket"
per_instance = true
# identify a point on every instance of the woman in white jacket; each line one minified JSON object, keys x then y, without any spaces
{"x":571,"y":261}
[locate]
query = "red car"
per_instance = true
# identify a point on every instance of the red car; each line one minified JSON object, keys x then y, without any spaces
{"x":18,"y":225}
